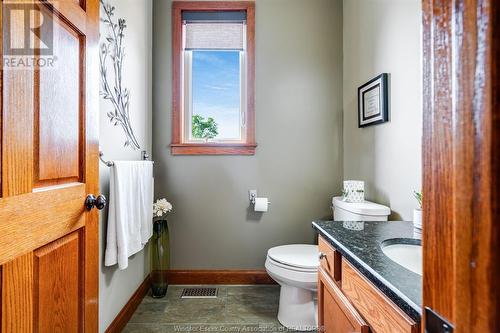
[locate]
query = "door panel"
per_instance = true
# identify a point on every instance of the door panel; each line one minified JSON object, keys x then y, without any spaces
{"x":57,"y":285}
{"x":58,"y":121}
{"x":49,"y":163}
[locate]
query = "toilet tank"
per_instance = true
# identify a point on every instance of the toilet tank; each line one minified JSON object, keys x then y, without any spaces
{"x":359,"y":211}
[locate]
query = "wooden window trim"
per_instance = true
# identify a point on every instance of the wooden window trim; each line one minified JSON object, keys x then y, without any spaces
{"x":178,"y":147}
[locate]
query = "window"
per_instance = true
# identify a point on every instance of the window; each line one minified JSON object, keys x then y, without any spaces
{"x":213,"y":78}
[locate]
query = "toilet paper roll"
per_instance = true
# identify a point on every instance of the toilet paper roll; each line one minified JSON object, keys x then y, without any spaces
{"x":261,"y":204}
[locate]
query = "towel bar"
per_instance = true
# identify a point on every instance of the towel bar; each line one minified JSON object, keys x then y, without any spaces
{"x":144,"y":154}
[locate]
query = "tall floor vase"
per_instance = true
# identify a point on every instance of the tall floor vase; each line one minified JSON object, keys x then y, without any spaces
{"x":160,"y":258}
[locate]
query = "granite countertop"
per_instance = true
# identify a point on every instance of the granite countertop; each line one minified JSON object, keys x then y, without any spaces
{"x":359,"y":243}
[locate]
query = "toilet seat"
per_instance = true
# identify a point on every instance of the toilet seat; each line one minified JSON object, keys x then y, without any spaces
{"x":299,"y":257}
{"x":305,"y":279}
{"x":292,"y":268}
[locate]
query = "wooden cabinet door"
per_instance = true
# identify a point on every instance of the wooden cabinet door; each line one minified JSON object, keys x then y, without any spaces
{"x":49,"y":163}
{"x":336,"y":314}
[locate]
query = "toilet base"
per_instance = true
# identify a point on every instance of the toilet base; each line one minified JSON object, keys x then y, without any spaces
{"x":298,"y":308}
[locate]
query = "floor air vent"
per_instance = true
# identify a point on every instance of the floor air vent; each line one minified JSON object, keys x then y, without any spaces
{"x":199,"y":292}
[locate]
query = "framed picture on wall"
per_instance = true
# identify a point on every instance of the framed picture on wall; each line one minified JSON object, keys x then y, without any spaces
{"x":373,"y":101}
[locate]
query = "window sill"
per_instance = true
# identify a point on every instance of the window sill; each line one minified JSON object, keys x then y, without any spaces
{"x":213,"y":149}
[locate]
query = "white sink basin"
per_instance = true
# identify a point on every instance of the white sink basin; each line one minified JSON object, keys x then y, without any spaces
{"x":405,"y":252}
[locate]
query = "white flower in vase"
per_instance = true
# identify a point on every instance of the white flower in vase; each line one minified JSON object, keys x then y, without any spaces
{"x":161,"y":207}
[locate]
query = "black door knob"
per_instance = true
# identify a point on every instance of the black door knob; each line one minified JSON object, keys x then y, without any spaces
{"x":92,"y":201}
{"x":100,"y":202}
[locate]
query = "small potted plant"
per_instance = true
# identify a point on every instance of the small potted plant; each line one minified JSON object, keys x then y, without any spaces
{"x":417,"y":212}
{"x":160,"y":256}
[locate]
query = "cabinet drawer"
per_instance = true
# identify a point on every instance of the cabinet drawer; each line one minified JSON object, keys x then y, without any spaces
{"x":380,"y":312}
{"x":336,"y":314}
{"x":332,"y":260}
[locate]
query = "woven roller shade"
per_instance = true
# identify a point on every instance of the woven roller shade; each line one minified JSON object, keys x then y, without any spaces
{"x":219,"y":16}
{"x":215,"y":36}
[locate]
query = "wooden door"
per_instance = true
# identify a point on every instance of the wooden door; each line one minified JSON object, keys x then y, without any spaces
{"x":461,"y":235}
{"x":335,"y":312}
{"x":49,"y":163}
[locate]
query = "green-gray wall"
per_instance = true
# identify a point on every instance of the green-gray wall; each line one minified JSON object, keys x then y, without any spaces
{"x":298,"y":163}
{"x":383,"y":36}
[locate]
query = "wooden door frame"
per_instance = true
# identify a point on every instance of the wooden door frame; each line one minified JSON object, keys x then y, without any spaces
{"x":461,"y":162}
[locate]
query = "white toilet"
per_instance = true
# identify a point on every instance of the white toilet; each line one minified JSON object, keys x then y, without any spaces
{"x":295,"y":268}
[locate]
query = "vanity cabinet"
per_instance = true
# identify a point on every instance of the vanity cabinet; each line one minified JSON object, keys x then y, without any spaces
{"x":348,"y":302}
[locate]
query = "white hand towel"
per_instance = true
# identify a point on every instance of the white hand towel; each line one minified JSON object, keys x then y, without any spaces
{"x":130,"y":211}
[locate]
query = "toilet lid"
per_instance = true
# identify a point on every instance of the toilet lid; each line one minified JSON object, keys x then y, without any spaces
{"x":296,"y":255}
{"x":361,"y":208}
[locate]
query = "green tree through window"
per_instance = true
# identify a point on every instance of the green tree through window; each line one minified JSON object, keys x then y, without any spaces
{"x":204,"y":129}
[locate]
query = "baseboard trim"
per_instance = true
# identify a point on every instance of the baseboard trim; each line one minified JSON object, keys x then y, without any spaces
{"x":219,"y":277}
{"x":128,"y":310}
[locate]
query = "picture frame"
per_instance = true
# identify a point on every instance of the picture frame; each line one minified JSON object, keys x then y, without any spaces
{"x":373,"y":101}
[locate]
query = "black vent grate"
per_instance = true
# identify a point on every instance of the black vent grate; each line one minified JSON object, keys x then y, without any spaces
{"x":199,"y":292}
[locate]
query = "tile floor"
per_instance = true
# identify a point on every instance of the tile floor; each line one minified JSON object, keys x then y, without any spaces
{"x":237,"y":309}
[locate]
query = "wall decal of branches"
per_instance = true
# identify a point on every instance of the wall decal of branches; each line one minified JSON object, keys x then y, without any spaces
{"x":113,"y":51}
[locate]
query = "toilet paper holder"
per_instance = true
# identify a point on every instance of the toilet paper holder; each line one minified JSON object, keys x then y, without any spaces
{"x":252,"y":195}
